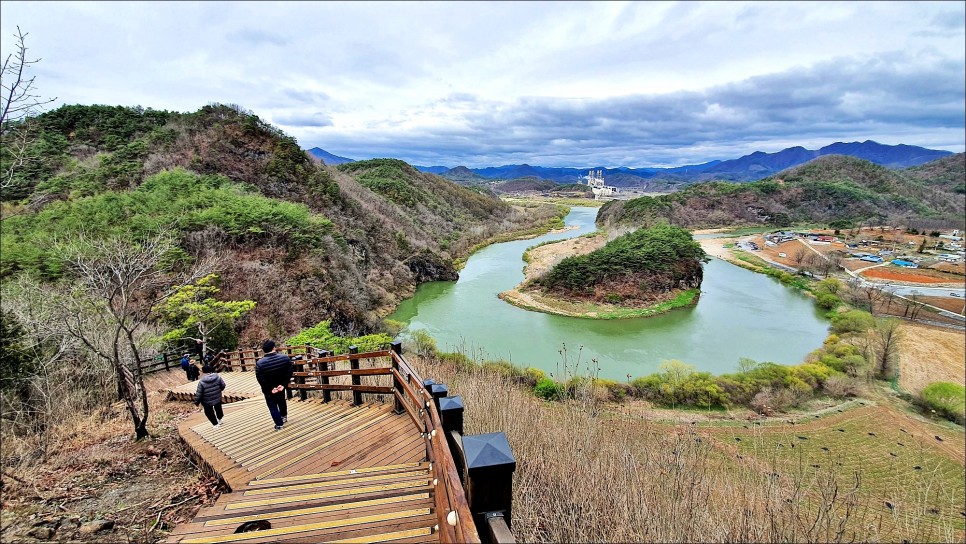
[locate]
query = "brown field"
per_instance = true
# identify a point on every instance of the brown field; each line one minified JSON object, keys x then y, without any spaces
{"x":899,"y":307}
{"x":950,"y":268}
{"x":771,"y":253}
{"x":930,"y":354}
{"x":911,"y":275}
{"x":950,"y":304}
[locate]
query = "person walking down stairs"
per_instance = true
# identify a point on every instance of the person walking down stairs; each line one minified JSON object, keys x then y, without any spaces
{"x":274,"y":372}
{"x":208,"y":395}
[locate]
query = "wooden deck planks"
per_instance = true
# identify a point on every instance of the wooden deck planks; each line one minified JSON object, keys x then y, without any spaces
{"x":238,"y":386}
{"x":380,"y":431}
{"x":336,"y":472}
{"x":295,"y":518}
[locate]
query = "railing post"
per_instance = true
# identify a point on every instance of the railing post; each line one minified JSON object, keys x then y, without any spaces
{"x":489,"y":478}
{"x":303,"y":394}
{"x":356,"y":380}
{"x":451,"y":414}
{"x":397,"y":407}
{"x":438,"y":390}
{"x":326,"y":394}
{"x":166,"y":365}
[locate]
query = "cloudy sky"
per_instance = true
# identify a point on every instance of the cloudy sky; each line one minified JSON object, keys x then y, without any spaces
{"x":552,"y":84}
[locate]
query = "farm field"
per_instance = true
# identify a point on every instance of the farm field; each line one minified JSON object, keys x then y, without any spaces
{"x":894,"y":459}
{"x":950,"y":304}
{"x":958,"y":269}
{"x":912,"y":275}
{"x":930,"y":354}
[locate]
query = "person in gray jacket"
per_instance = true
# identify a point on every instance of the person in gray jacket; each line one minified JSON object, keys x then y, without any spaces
{"x":208,"y":395}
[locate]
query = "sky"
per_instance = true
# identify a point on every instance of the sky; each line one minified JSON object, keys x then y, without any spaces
{"x":575,"y":84}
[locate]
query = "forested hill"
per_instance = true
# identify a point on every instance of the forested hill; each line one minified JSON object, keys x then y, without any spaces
{"x":832,"y":189}
{"x":306,"y":241}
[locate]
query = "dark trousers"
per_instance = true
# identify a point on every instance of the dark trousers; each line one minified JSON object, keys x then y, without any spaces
{"x":214,"y":413}
{"x":277,"y":406}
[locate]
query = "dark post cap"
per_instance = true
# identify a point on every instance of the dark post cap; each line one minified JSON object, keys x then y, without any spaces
{"x":428,"y":382}
{"x":488,"y":451}
{"x":438,"y":390}
{"x":451,"y":403}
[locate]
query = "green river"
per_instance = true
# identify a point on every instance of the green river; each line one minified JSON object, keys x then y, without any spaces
{"x":739,"y":314}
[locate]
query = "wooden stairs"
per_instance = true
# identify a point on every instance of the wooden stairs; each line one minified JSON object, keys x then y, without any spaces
{"x":334,"y":473}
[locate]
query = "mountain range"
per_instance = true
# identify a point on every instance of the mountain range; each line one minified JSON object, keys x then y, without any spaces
{"x":750,"y":167}
{"x":328,"y":158}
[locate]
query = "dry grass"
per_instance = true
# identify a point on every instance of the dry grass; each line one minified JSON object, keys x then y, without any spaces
{"x":613,"y":478}
{"x":95,"y":470}
{"x":931,"y":354}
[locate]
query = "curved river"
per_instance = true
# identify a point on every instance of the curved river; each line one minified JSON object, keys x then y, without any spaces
{"x":740,"y":314}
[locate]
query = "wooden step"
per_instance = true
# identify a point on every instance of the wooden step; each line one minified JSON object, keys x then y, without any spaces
{"x":421,"y":517}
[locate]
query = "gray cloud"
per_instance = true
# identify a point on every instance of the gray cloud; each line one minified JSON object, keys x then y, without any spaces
{"x":556,"y":84}
{"x":317,"y":119}
{"x":840,"y":99}
{"x":251,"y":36}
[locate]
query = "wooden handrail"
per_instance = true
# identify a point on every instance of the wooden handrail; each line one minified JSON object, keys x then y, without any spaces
{"x":408,"y":410}
{"x":381,"y":371}
{"x":377,"y":389}
{"x":458,"y":502}
{"x":407,"y":388}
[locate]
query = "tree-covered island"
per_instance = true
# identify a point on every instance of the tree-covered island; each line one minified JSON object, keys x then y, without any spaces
{"x":642,"y":273}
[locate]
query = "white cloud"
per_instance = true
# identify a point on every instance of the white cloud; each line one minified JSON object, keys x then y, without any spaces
{"x":491,"y":83}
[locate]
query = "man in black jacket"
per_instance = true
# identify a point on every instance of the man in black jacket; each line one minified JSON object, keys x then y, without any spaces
{"x":273,"y":372}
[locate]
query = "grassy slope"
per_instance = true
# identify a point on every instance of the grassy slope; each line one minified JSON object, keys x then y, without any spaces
{"x":626,"y":475}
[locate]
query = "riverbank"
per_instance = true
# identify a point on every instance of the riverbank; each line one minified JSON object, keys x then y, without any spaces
{"x":542,"y":258}
{"x":555,"y":225}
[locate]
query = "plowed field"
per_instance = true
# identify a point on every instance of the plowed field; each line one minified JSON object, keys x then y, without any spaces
{"x":892,"y":273}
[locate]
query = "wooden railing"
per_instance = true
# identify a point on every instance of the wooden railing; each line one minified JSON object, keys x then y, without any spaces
{"x":172,"y":359}
{"x":161,"y":361}
{"x":316,"y":370}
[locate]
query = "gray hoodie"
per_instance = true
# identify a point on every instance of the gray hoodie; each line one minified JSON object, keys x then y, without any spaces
{"x":209,"y":390}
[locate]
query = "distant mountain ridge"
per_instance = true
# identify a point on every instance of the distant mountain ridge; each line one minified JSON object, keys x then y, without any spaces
{"x":758,"y":165}
{"x":751,"y":167}
{"x":328,"y":158}
{"x":831,"y":189}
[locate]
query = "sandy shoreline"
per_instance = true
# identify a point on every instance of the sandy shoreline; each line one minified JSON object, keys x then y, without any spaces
{"x":715,"y":247}
{"x":542,"y":259}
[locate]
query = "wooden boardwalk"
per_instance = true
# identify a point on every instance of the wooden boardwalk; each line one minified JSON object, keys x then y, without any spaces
{"x":335,"y":473}
{"x":238,"y":386}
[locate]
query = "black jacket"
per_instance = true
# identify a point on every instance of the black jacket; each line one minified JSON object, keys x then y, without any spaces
{"x":273,"y":370}
{"x":209,"y":390}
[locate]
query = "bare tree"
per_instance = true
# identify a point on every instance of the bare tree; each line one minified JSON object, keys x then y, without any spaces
{"x":871,"y":296}
{"x":18,"y":102}
{"x":47,"y":396}
{"x":829,"y":264}
{"x":912,"y":307}
{"x":799,"y":256}
{"x":886,"y":346}
{"x":108,"y":307}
